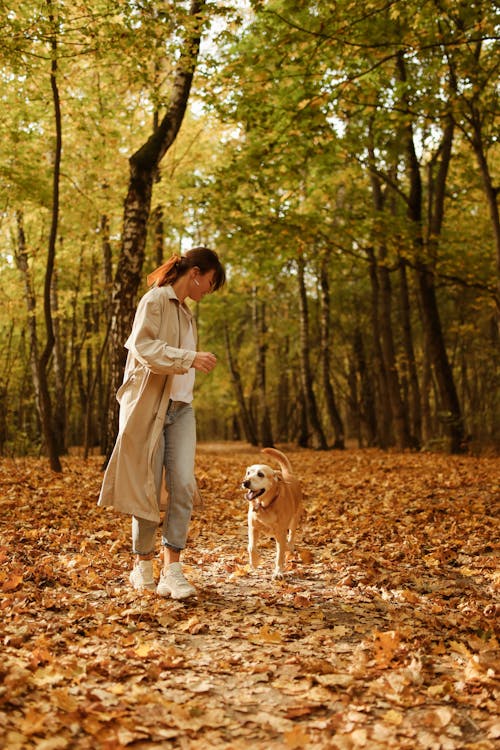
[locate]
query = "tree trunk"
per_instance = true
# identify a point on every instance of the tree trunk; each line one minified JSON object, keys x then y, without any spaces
{"x":388,"y":350}
{"x":143,"y":170}
{"x":43,"y":375}
{"x":158,"y":234}
{"x":29,"y":294}
{"x":260,"y":335}
{"x":366,"y":399}
{"x":449,"y":410}
{"x":476,"y":116}
{"x":381,"y":402}
{"x":449,"y":413}
{"x":246,"y":419}
{"x":414,"y":404}
{"x":40,"y":364}
{"x":59,"y":367}
{"x":491,"y":193}
{"x":331,"y":404}
{"x":102,"y":384}
{"x":283,"y":410}
{"x":305,"y":367}
{"x":399,"y":416}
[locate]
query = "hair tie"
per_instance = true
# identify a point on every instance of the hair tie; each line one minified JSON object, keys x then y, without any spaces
{"x":160,"y":274}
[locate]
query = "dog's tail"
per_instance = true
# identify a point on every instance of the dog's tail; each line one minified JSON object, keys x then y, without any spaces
{"x":285,"y":465}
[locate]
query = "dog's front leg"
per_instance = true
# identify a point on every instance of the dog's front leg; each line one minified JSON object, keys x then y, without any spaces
{"x":253,"y":538}
{"x":281,"y":545}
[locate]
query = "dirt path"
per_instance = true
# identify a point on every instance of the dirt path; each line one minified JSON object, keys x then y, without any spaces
{"x":382,"y":634}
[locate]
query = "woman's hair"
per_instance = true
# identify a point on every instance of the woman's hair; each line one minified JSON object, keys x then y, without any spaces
{"x":178,"y":265}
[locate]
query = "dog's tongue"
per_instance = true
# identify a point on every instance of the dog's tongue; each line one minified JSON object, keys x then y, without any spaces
{"x":249,"y":495}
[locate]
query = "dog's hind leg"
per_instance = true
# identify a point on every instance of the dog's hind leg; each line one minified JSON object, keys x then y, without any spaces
{"x":292,"y":532}
{"x":281,"y":545}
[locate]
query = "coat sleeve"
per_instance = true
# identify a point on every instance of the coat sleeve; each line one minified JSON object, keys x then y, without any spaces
{"x":152,"y":352}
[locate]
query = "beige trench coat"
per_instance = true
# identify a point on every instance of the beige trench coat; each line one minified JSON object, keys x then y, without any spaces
{"x":133,"y":479}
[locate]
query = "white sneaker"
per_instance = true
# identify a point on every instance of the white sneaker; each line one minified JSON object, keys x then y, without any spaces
{"x":141,"y":575}
{"x":172,"y":583}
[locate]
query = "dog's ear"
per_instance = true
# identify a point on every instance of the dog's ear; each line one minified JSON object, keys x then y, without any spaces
{"x":278,"y":475}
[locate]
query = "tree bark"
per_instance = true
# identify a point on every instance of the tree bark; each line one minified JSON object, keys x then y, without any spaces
{"x":366,"y":397}
{"x":399,"y":417}
{"x":30,"y":298}
{"x":414,"y":404}
{"x":381,"y":400}
{"x":144,"y":165}
{"x":325,"y":333}
{"x":59,"y":368}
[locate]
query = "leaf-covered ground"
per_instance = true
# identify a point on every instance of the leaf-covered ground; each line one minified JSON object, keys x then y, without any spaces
{"x":381,"y":636}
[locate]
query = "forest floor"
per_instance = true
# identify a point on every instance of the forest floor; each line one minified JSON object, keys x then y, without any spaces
{"x":382,"y":634}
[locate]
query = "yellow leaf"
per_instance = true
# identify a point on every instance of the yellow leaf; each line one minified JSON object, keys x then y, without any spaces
{"x":460,"y":648}
{"x":435,"y":690}
{"x":143,"y":649}
{"x":296,"y":737}
{"x":64,"y":700}
{"x":339,"y":630}
{"x":393,"y":717}
{"x":269,"y":636}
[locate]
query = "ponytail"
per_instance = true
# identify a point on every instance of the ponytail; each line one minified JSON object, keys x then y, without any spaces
{"x":177,"y":265}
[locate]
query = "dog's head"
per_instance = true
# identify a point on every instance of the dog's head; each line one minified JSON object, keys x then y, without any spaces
{"x":258,"y":480}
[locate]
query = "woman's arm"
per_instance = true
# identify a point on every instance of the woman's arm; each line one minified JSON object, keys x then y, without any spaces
{"x":146,"y":346}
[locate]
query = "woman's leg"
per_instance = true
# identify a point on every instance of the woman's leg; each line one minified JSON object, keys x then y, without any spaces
{"x":143,"y":537}
{"x":180,"y":449}
{"x":143,"y":542}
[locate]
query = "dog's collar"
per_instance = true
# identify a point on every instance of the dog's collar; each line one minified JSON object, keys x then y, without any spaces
{"x":258,"y":505}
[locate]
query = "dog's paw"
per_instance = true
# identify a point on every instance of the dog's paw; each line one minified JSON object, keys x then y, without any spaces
{"x":278,"y":575}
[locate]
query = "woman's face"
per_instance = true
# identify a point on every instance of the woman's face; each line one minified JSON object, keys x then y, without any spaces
{"x":201,"y":284}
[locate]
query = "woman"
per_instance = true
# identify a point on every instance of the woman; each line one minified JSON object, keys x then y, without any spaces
{"x":157,"y":430}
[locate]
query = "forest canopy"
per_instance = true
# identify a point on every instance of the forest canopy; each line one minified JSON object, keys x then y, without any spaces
{"x":343,"y":160}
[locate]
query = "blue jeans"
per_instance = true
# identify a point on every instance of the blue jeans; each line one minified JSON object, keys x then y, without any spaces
{"x":179,"y":458}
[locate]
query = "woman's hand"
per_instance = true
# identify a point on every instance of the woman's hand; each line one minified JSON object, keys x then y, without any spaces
{"x":204,"y":361}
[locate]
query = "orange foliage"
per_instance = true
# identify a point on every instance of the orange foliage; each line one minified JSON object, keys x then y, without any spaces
{"x":382,"y":634}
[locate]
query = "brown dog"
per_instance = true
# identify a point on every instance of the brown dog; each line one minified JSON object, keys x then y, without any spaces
{"x":275,"y":505}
